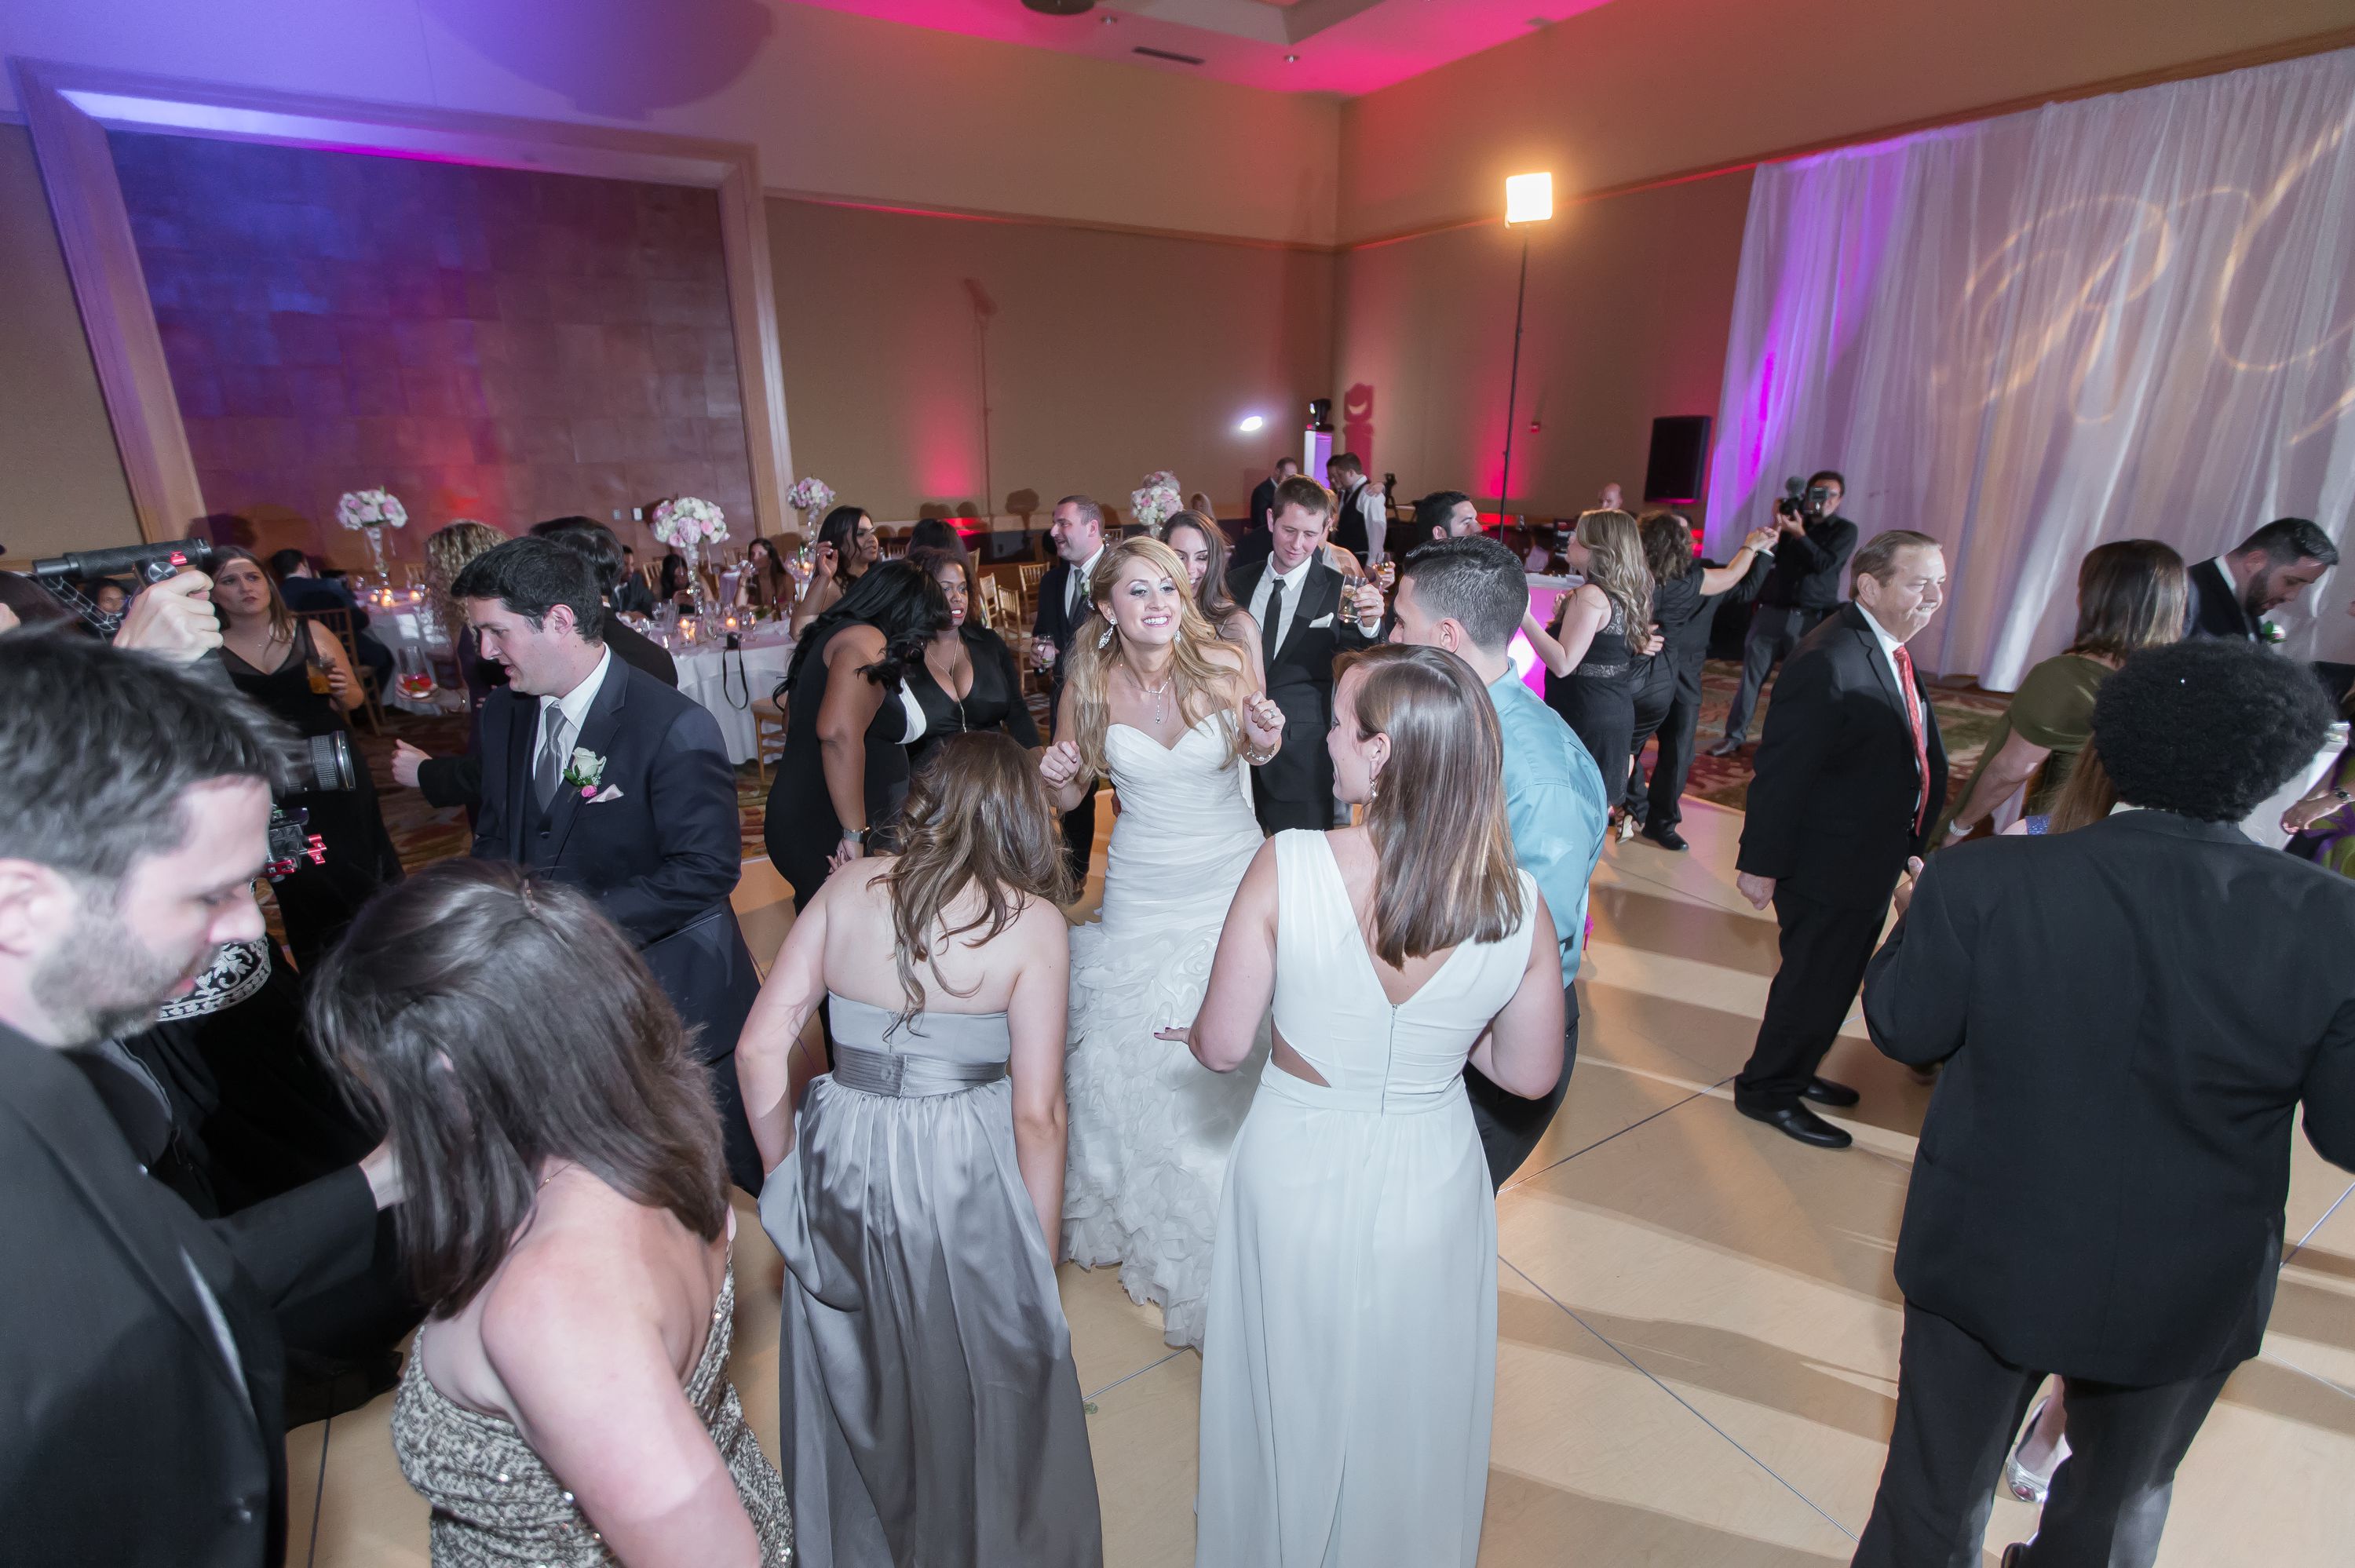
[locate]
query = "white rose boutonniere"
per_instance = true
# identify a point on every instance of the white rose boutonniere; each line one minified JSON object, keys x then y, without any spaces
{"x":584,"y":771}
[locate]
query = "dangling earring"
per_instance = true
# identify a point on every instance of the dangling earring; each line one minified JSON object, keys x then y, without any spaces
{"x":1373,"y":788}
{"x":1105,"y":641}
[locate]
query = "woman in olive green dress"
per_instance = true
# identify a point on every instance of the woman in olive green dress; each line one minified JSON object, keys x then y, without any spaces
{"x":2131,"y":594}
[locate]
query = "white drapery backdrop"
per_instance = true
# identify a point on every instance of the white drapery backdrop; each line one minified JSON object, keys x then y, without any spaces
{"x":2127,"y":317}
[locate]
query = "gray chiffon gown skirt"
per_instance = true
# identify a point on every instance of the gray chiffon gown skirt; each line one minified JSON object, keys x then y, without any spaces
{"x":931,"y":1412}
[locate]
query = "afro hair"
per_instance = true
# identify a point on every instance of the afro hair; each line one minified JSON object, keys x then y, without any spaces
{"x":2207,"y":728}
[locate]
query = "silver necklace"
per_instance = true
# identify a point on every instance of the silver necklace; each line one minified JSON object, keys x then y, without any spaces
{"x":1159,"y":694}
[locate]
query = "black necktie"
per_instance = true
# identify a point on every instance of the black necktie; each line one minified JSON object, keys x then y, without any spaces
{"x":1274,"y":621}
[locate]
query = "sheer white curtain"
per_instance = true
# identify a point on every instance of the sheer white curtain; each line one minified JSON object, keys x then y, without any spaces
{"x":2132,"y":316}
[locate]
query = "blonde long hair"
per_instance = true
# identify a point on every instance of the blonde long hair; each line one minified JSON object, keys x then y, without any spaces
{"x":1203,"y":684}
{"x":447,"y":551}
{"x":1444,"y":853}
{"x":1615,"y":563}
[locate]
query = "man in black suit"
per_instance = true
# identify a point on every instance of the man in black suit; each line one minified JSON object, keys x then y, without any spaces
{"x":458,"y":780}
{"x":1798,"y":585}
{"x":1851,"y":773}
{"x":1077,"y":537}
{"x":142,"y":1374}
{"x":596,"y":774}
{"x":1251,"y":548}
{"x":2231,"y":593}
{"x":2130,"y":1015}
{"x":1303,"y":623}
{"x":303,"y":588}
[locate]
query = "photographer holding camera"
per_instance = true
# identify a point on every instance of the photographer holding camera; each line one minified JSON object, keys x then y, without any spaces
{"x":139,"y":1357}
{"x":1798,"y":583}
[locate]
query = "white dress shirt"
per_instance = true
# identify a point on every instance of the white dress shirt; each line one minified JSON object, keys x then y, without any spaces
{"x":1906,"y":695}
{"x":1375,"y":511}
{"x":1271,"y":637}
{"x":574,"y":704}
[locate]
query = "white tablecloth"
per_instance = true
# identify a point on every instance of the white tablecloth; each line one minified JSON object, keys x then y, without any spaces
{"x":715,"y":679}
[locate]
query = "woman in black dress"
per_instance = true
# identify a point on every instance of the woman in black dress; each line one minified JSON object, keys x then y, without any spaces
{"x":297,"y":670}
{"x":1685,"y":596}
{"x":1596,"y":652}
{"x":966,"y":680}
{"x":849,"y":719}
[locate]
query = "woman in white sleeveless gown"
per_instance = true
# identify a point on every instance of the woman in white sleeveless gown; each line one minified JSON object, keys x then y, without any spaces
{"x":1349,"y":1367}
{"x":1157,"y":700}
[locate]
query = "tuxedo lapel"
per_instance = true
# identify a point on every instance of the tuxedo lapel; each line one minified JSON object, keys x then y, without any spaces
{"x":521,"y":716}
{"x":597,"y":731}
{"x":1320,"y":594}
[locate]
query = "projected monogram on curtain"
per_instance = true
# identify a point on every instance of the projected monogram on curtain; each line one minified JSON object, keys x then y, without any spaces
{"x":2128,"y":317}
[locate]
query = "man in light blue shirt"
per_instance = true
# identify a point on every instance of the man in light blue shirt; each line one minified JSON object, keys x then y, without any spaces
{"x":1468,"y":596}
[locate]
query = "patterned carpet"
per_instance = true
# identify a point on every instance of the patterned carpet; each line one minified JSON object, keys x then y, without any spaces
{"x":425,"y":835}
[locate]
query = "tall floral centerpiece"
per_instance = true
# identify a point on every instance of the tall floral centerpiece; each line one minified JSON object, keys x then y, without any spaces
{"x":1158,"y":501}
{"x":371,"y":511}
{"x":812,"y":497}
{"x":687,"y":525}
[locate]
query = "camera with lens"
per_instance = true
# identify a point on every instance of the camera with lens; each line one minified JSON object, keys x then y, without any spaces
{"x":1803,"y":501}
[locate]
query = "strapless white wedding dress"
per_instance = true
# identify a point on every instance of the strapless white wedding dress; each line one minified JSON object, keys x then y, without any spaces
{"x":1150,"y":1127}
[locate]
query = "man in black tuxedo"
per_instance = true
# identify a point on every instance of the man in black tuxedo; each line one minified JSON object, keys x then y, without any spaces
{"x":1303,"y":623}
{"x":458,"y":780}
{"x":142,"y":1374}
{"x":1251,"y":548}
{"x":1077,"y":536}
{"x":2130,"y":1015}
{"x":2231,"y":593}
{"x":1797,"y":584}
{"x":596,"y":774}
{"x":1851,"y":774}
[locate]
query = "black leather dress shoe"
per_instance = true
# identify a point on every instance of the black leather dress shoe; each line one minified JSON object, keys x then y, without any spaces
{"x":1667,"y":838}
{"x":1798,"y":1122}
{"x":2011,"y":1554}
{"x":1824,"y":1092}
{"x":1725,"y":747}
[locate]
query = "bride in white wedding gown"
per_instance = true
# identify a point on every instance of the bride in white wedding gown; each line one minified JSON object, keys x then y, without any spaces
{"x":1154,"y":699}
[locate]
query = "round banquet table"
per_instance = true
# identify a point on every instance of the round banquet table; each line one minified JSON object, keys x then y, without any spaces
{"x":726,"y":683}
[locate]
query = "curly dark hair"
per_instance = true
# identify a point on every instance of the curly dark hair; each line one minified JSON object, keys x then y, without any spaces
{"x":2207,"y":728}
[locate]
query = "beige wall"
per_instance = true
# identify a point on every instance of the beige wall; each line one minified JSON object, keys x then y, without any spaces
{"x":61,"y":484}
{"x":1637,"y":89}
{"x":1630,"y":300}
{"x":1110,"y":355}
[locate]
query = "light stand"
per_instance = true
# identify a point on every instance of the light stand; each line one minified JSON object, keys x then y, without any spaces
{"x":1528,"y":198}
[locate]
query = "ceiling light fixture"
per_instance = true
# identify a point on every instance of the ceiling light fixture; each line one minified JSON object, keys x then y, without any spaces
{"x":1292,"y":60}
{"x":1061,"y":7}
{"x":1250,"y":423}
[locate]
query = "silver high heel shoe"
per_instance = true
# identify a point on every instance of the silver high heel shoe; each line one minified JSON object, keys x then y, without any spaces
{"x":2027,"y":1485}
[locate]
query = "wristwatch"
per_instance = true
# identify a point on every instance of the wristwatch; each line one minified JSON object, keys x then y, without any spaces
{"x":856,"y":835}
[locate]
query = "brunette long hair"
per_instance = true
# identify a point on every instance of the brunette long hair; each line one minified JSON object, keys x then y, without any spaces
{"x":282,"y":619}
{"x":978,"y":817}
{"x":771,"y":585}
{"x":1210,"y":596}
{"x":448,"y":550}
{"x":1203,"y":686}
{"x":898,"y":599}
{"x":841,"y":529}
{"x":1615,"y":564}
{"x":1667,"y":545}
{"x":2132,"y":594}
{"x":1445,"y":872}
{"x":436,"y":1009}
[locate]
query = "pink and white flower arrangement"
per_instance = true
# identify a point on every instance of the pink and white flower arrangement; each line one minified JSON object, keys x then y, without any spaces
{"x":687,"y":520}
{"x":371,"y":509}
{"x":810,"y":495}
{"x":1158,"y":501}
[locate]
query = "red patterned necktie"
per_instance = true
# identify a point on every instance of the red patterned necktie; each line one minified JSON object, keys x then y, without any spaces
{"x":1921,"y":737}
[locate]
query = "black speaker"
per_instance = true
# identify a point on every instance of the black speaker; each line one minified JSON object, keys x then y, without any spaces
{"x":1679,"y":469}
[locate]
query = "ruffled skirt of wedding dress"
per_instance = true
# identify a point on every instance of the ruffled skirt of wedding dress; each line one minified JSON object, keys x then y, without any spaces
{"x":1151,"y":1128}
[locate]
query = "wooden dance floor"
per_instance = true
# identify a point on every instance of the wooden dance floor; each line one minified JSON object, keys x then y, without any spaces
{"x":1698,"y":1334}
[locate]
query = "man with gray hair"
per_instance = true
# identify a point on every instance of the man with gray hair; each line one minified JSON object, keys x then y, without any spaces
{"x":1467,"y":595}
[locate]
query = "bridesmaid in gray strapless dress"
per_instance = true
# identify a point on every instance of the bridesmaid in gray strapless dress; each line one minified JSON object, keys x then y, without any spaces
{"x":931,"y":1412}
{"x":497,"y":1506}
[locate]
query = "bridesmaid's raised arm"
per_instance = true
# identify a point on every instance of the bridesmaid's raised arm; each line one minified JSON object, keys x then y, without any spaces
{"x":1036,"y":1018}
{"x":1521,"y":1052}
{"x":772,"y":1063}
{"x":1242,"y":975}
